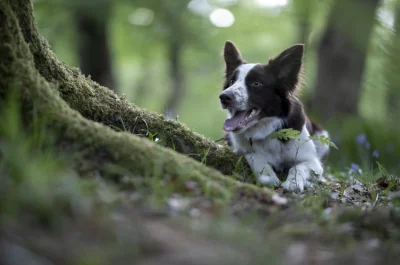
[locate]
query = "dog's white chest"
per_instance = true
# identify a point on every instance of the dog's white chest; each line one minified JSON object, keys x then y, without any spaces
{"x":272,"y":150}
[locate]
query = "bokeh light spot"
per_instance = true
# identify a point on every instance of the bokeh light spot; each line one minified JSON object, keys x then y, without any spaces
{"x":222,"y":18}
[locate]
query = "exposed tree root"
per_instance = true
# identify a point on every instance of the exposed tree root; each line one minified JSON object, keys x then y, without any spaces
{"x":59,"y":93}
{"x":99,"y":104}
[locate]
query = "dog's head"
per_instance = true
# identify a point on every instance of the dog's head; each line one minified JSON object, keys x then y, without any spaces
{"x":255,"y":91}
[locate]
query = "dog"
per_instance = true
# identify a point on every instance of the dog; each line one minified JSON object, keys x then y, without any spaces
{"x":260,"y":99}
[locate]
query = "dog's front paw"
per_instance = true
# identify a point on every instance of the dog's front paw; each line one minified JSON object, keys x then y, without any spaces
{"x":293,"y":184}
{"x":269,"y":180}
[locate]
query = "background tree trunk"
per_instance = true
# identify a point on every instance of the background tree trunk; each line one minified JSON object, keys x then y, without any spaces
{"x":342,"y":56}
{"x":173,"y":19}
{"x":393,"y":68}
{"x":93,"y":44}
{"x":176,"y":73}
{"x":141,"y":87}
{"x":303,"y":17}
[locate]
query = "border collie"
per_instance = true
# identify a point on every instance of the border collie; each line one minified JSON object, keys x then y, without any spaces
{"x":260,"y":100}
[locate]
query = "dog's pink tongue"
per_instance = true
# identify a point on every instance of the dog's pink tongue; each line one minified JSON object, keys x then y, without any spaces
{"x":234,"y":122}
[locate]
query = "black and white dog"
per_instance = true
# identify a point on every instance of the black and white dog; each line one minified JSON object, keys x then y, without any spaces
{"x":260,"y":100}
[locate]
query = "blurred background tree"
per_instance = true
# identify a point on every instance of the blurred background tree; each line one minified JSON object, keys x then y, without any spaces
{"x":342,"y":57}
{"x":166,"y":55}
{"x":393,"y":77}
{"x":91,"y":21}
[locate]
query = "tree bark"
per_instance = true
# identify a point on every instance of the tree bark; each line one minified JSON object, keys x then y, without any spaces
{"x":93,"y":46}
{"x":66,"y":97}
{"x":342,"y":56}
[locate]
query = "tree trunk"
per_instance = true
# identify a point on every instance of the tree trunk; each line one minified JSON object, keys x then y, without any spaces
{"x":141,"y":87}
{"x":173,"y":19}
{"x":342,"y":57}
{"x":93,"y":45}
{"x":60,"y":93}
{"x":303,"y":12}
{"x":393,"y":68}
{"x":175,"y":66}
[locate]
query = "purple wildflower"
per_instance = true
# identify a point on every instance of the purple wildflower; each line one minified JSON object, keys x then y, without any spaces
{"x":354,"y":167}
{"x":361,"y":138}
{"x":375,"y":154}
{"x":367,"y":145}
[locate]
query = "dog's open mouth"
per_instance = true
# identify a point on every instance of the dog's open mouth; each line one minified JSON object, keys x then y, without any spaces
{"x":240,"y":119}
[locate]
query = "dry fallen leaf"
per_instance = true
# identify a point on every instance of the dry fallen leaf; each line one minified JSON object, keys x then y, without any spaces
{"x":382,"y":182}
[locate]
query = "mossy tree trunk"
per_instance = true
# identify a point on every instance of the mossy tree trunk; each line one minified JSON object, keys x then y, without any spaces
{"x":81,"y":112}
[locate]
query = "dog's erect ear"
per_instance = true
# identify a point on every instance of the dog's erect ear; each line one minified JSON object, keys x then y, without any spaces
{"x":287,"y":66}
{"x":232,"y":57}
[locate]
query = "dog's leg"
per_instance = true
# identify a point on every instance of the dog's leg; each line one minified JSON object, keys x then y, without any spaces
{"x":264,"y":172}
{"x":301,"y":175}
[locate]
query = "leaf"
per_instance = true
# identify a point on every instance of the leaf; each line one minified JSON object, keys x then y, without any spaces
{"x":205,"y":154}
{"x":383,"y":182}
{"x":115,"y":128}
{"x":323,"y":140}
{"x":152,"y":137}
{"x":237,"y":165}
{"x":285,"y":134}
{"x":382,"y":169}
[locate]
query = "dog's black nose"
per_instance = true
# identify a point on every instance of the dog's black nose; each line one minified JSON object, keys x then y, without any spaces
{"x":226,"y":98}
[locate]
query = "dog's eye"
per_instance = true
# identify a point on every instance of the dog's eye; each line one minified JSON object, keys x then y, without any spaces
{"x":256,"y":84}
{"x":231,"y":81}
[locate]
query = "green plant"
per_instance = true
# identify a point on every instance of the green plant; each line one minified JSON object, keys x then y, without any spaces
{"x":294,"y":135}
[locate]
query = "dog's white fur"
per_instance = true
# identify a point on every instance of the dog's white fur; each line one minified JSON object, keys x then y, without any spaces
{"x":262,"y":153}
{"x":239,"y":87}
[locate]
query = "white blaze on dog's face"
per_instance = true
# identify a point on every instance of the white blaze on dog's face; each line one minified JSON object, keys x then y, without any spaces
{"x":255,"y":91}
{"x":237,"y":91}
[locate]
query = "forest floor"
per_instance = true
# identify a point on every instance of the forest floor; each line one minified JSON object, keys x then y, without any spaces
{"x":52,"y":215}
